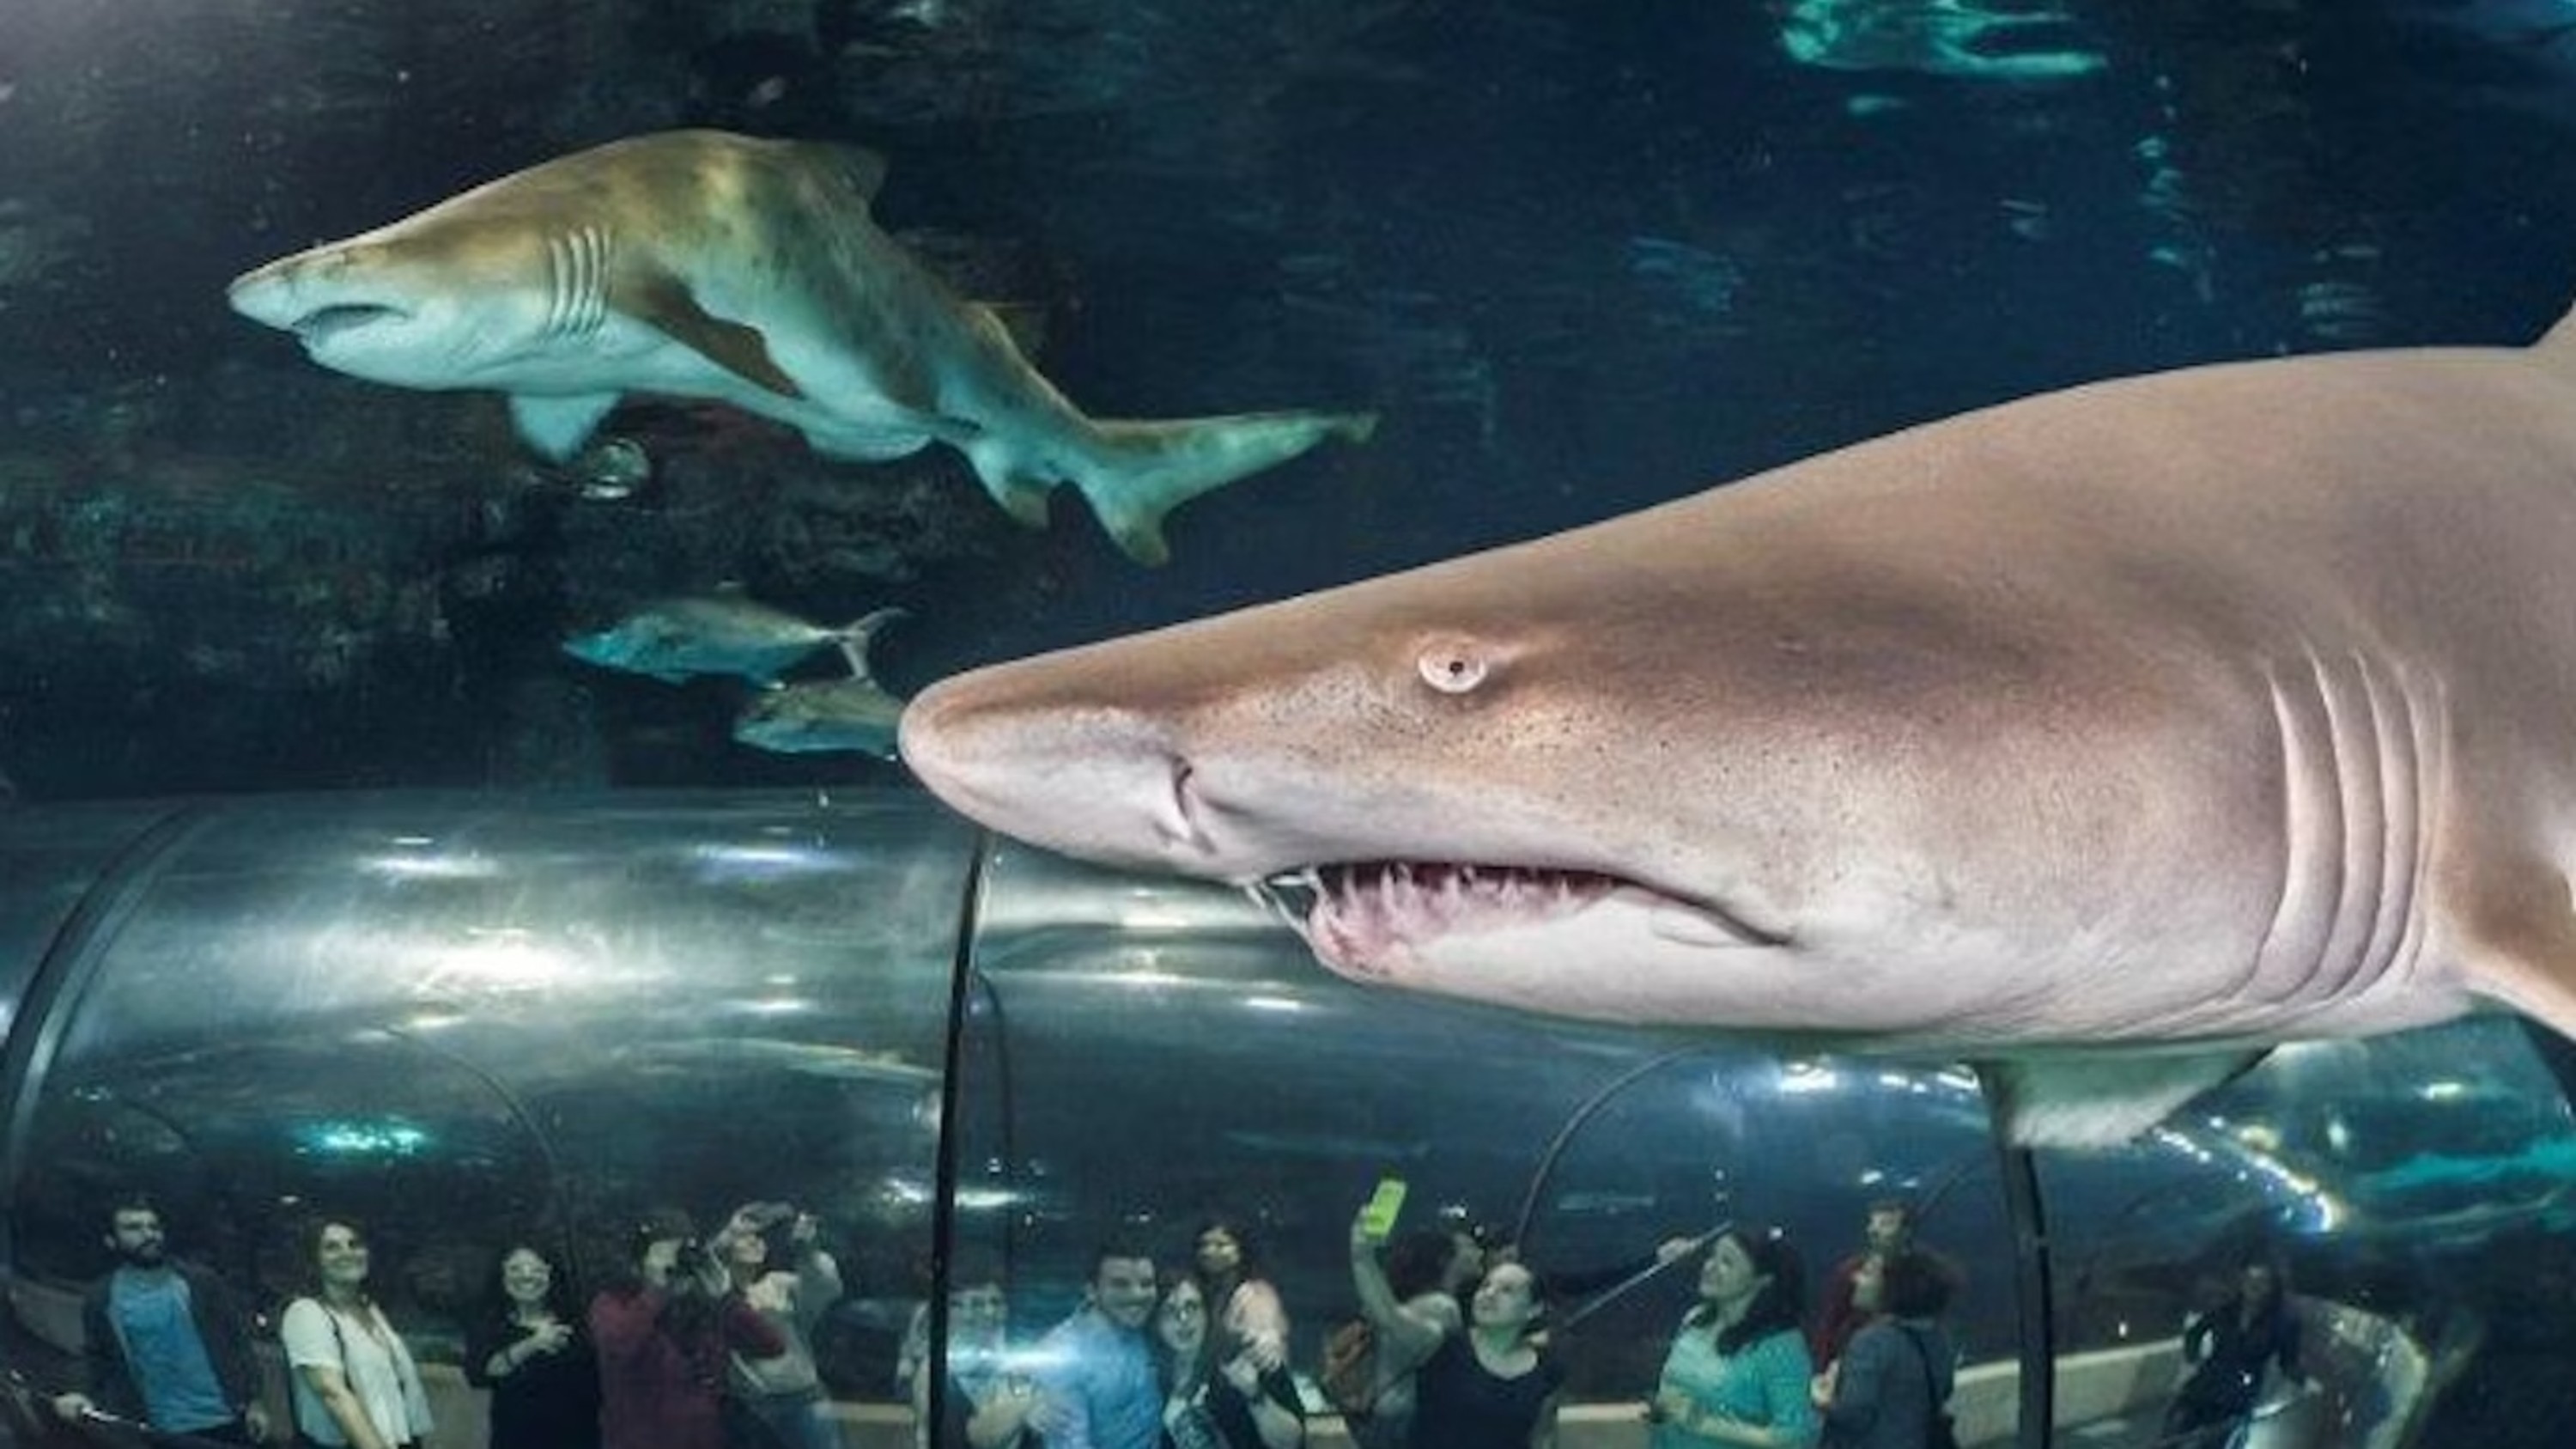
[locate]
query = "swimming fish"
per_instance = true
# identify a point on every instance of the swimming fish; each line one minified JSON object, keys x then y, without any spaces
{"x":699,"y":264}
{"x":2102,"y":739}
{"x":853,"y":715}
{"x":727,"y":632}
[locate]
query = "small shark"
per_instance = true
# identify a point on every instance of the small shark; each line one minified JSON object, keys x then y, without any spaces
{"x":727,"y":632}
{"x":698,"y":264}
{"x":2102,"y":739}
{"x":853,"y":715}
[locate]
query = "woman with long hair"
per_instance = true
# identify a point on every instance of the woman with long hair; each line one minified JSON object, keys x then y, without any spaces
{"x":1211,"y":1402}
{"x":778,"y":1266}
{"x":1426,"y":1273}
{"x":1243,"y":1308}
{"x":353,"y":1378}
{"x":1481,"y":1384}
{"x":529,"y":1348}
{"x":1896,"y":1370}
{"x":1738,"y":1371}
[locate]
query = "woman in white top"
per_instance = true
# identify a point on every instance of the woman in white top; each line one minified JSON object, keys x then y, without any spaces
{"x":355,"y":1383}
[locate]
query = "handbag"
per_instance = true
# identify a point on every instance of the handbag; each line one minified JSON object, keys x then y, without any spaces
{"x":1940,"y":1431}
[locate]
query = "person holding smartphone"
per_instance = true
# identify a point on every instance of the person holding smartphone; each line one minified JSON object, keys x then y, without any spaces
{"x":1480,"y":1378}
{"x":663,"y":1330}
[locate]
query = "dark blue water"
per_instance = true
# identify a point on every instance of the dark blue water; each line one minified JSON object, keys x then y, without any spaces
{"x":1583,"y":257}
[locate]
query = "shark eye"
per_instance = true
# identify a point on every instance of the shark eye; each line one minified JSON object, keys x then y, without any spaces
{"x":1452,"y":666}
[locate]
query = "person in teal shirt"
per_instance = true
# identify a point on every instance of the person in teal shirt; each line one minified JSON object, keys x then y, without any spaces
{"x":166,"y":1342}
{"x":1739,"y":1371}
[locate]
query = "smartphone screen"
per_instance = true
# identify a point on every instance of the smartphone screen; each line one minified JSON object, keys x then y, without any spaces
{"x":1378,"y":1218}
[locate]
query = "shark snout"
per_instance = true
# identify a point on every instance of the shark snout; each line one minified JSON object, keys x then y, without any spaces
{"x":1097,"y":782}
{"x":316,"y":295}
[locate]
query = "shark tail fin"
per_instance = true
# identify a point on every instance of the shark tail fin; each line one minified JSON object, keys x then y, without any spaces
{"x":859,"y":636}
{"x":1136,"y":472}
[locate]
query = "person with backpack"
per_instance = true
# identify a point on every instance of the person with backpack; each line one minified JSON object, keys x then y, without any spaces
{"x":1890,"y":1388}
{"x":1368,"y":1372}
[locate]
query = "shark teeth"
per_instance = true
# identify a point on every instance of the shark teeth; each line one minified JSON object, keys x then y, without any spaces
{"x":1358,"y":916}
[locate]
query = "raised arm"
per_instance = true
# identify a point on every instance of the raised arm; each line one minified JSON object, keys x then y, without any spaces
{"x":1405,"y":1335}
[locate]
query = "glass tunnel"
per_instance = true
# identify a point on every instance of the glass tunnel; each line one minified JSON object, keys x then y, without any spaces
{"x":468,"y":1022}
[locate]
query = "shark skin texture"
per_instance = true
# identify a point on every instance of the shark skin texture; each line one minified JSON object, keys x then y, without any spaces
{"x":2102,"y":739}
{"x":749,"y":272}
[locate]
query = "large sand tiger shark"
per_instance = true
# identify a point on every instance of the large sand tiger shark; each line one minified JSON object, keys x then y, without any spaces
{"x":2103,"y":739}
{"x":697,"y":264}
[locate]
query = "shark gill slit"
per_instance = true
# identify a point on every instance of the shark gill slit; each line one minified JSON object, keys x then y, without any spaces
{"x":2428,"y":731}
{"x":2400,"y":736}
{"x":576,"y":265}
{"x":2311,"y":853}
{"x":2353,"y":749}
{"x":2360,"y":768}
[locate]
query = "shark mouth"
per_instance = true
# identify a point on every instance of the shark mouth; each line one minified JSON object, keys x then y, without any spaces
{"x":325,"y":323}
{"x":1363,"y":919}
{"x":1356,"y":917}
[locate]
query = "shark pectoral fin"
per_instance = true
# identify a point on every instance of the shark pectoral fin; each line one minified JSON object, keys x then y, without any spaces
{"x":664,"y":301}
{"x":1009,"y":479}
{"x":557,"y":426}
{"x":2087,"y":1099}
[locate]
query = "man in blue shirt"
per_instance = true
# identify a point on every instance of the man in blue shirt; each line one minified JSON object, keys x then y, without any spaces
{"x":1096,"y":1382}
{"x":166,"y":1343}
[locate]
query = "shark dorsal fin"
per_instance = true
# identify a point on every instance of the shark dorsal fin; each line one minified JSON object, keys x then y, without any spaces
{"x":1025,"y":323}
{"x":865,"y":169}
{"x":664,"y":301}
{"x":557,"y":426}
{"x":2557,"y":346}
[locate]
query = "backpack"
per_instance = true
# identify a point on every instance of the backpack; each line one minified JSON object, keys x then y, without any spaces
{"x":1940,"y":1431}
{"x":1349,"y":1379}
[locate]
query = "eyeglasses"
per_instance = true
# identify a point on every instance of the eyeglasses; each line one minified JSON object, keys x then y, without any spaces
{"x":1185,"y":1308}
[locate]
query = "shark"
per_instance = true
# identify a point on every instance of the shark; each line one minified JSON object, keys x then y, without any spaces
{"x":747,"y":272}
{"x":2102,"y":739}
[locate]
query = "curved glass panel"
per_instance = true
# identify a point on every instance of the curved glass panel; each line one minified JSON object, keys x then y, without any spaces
{"x":465,"y":1025}
{"x":2377,"y":1186}
{"x":49,"y":870}
{"x":1148,"y":1057}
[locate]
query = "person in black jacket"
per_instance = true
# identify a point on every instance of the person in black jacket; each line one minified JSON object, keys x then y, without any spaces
{"x":2229,"y":1348}
{"x":532,"y":1350}
{"x":165,"y":1342}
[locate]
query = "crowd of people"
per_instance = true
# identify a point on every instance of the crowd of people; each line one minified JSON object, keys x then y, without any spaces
{"x":1459,"y":1353}
{"x":708,"y":1345}
{"x":690,"y":1344}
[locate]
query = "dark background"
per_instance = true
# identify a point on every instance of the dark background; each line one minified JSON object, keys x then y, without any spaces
{"x":1584,"y":257}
